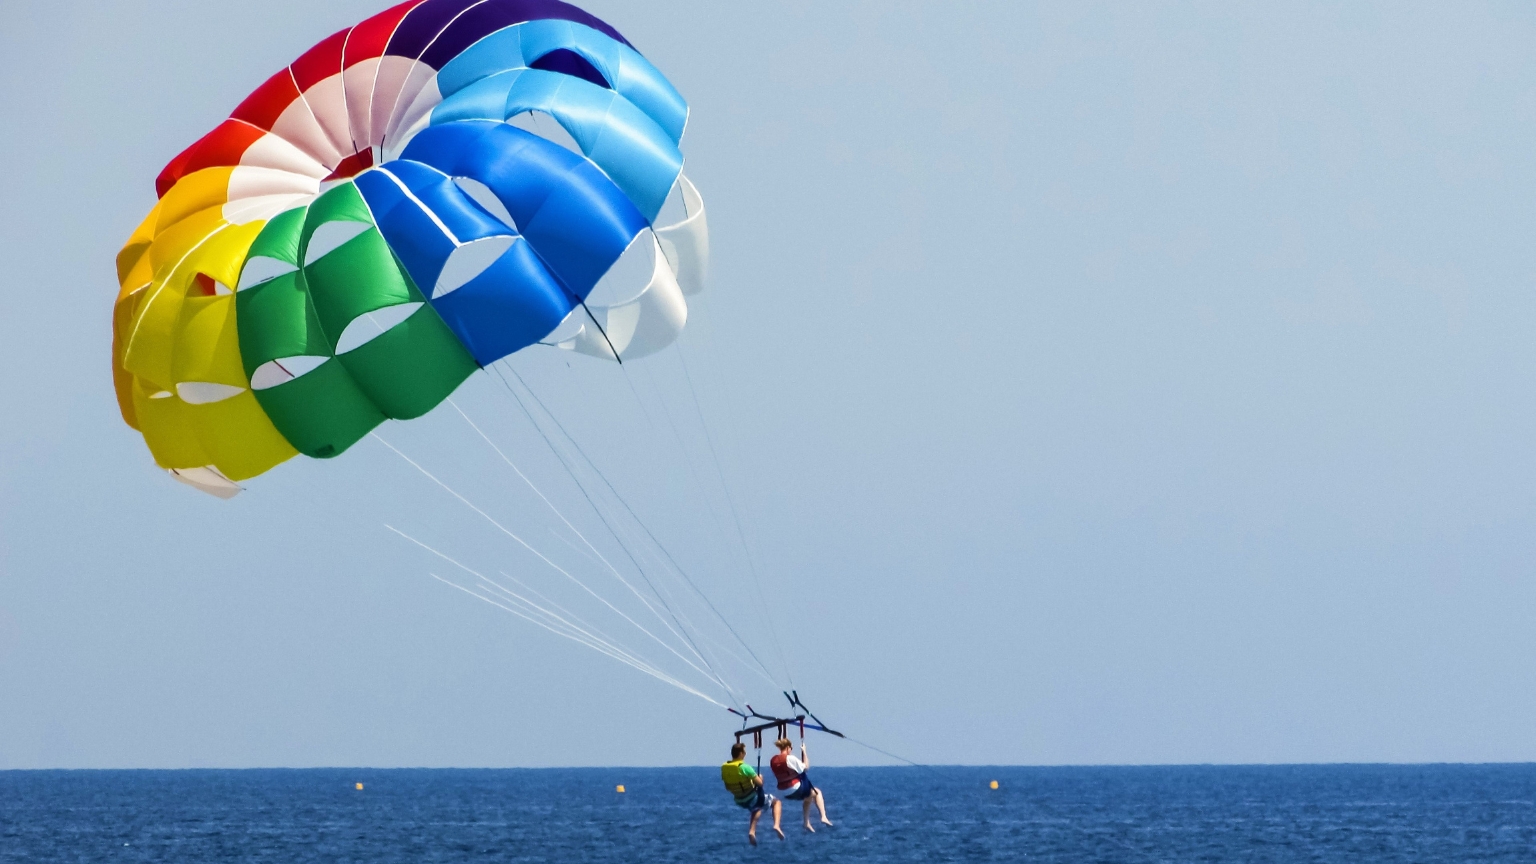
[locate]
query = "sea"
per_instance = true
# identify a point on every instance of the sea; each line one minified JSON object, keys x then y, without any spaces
{"x":1295,"y":813}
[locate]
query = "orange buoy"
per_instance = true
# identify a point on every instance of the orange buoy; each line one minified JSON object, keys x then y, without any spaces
{"x":994,"y":784}
{"x":621,"y":787}
{"x":359,"y":787}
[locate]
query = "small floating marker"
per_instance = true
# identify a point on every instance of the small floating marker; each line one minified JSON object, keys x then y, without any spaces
{"x":620,"y":787}
{"x":993,"y":784}
{"x":360,"y":786}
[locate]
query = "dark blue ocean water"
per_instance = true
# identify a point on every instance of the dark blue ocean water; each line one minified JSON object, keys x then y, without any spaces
{"x":1356,"y":814}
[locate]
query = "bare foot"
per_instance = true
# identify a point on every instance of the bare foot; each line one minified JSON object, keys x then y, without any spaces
{"x":809,"y":828}
{"x":826,"y":821}
{"x":752,"y":837}
{"x":778,"y":831}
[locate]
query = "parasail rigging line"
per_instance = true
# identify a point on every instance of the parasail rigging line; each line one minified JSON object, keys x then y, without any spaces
{"x":683,"y":635}
{"x":591,"y":637}
{"x":591,"y":640}
{"x":531,"y":590}
{"x":704,"y":493}
{"x":703,"y":332}
{"x":607,"y":640}
{"x":700,"y":632}
{"x":761,"y":667}
{"x":566,"y":619}
{"x":601,"y":331}
{"x":429,"y":475}
{"x":677,"y":436}
{"x":577,"y":549}
{"x":619,"y":535}
{"x":594,"y":639}
{"x":626,"y":661}
{"x":570,"y":469}
{"x":735,"y":512}
{"x":614,"y":570}
{"x":575,"y":634}
{"x":609,"y":566}
{"x":698,"y":483}
{"x":730,"y":691}
{"x":622,"y":502}
{"x":615,"y":530}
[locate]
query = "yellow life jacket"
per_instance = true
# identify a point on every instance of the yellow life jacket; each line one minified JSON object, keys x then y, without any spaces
{"x":738,"y":776}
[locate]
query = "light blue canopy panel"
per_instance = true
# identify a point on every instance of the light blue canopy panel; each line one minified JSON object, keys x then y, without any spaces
{"x":519,"y":47}
{"x":630,"y":148}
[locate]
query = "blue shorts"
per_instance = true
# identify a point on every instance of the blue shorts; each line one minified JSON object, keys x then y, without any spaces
{"x":756,"y":802}
{"x":803,"y":791}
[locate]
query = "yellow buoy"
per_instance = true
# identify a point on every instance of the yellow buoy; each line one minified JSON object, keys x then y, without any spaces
{"x":621,"y":787}
{"x":359,"y":787}
{"x":994,"y":784}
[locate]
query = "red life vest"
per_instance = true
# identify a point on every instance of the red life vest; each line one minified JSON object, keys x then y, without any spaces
{"x":781,"y":772}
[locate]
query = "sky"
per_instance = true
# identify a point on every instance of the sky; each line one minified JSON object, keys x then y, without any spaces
{"x":1093,"y":383}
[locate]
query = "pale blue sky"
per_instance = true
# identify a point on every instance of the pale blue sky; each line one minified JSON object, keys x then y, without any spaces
{"x":1098,"y":383}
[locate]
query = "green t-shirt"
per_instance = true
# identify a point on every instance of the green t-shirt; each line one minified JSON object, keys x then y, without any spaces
{"x":738,"y":777}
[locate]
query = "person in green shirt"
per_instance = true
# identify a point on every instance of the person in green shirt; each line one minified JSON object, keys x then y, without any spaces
{"x":747,"y":788}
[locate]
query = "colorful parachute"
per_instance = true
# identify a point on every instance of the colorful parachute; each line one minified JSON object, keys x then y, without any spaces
{"x":377,"y":221}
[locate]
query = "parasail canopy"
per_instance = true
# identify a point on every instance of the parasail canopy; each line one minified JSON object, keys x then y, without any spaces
{"x":413,"y":198}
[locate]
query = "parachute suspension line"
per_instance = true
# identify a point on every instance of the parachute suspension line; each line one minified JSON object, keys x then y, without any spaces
{"x":561,"y":570}
{"x":594,"y":638}
{"x":644,"y":559}
{"x":763,"y":668}
{"x":574,"y":634}
{"x":660,"y":676}
{"x":568,"y":619}
{"x":577,"y":549}
{"x":702,"y":332}
{"x":676,"y":435}
{"x":735,"y":516}
{"x":682,"y":448}
{"x":683,"y":625}
{"x":693,"y":474}
{"x":760,"y":668}
{"x":698,"y":632}
{"x":609,"y":566}
{"x":651,"y":555}
{"x":531,"y":590}
{"x":760,"y":608}
{"x":730,"y":692}
{"x":602,"y":332}
{"x":542,"y":497}
{"x":612,"y":529}
{"x":569,"y":631}
{"x":570,"y":468}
